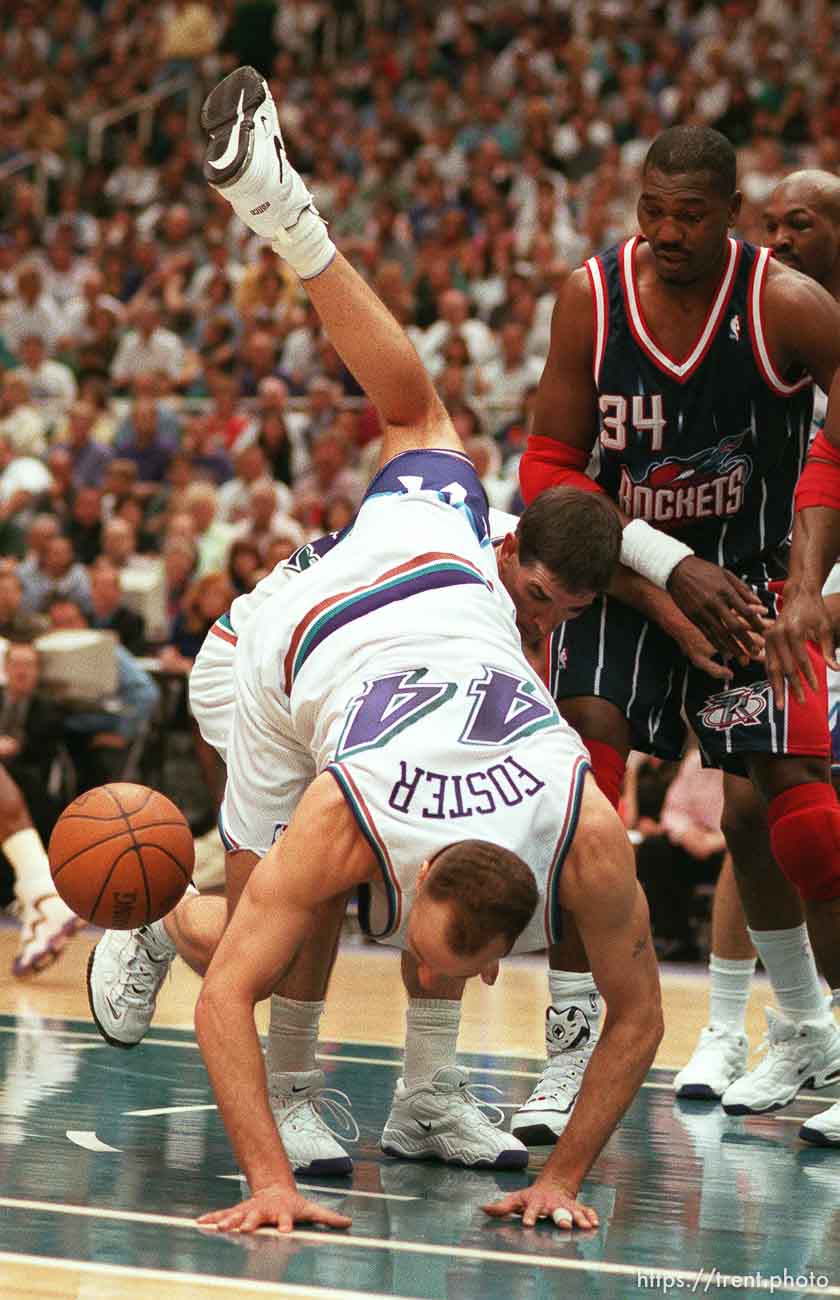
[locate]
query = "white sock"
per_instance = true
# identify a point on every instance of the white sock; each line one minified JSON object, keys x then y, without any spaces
{"x":26,"y":852}
{"x":789,"y":962}
{"x":729,"y":991}
{"x":292,"y":1035}
{"x":306,"y":246}
{"x":569,"y":989}
{"x":431,"y":1037}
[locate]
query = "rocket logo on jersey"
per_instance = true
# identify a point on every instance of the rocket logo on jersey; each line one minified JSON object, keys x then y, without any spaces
{"x":741,"y":707}
{"x":681,"y":490}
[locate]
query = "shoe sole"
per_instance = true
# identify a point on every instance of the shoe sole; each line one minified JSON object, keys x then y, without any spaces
{"x":816,"y":1138}
{"x":698,"y":1092}
{"x":49,"y":955}
{"x":334,"y":1167}
{"x":505,"y":1159}
{"x":536,"y":1135}
{"x":112,"y":1042}
{"x":233,"y":102}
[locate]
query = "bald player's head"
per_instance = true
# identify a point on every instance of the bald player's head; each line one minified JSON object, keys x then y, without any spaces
{"x":802,"y":225}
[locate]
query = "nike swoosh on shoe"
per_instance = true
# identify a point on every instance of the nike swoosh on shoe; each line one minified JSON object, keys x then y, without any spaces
{"x":233,"y":143}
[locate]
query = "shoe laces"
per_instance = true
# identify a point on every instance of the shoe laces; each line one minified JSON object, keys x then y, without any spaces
{"x":142,"y":976}
{"x":469,"y":1093}
{"x":312,"y":1106}
{"x":573,"y":1065}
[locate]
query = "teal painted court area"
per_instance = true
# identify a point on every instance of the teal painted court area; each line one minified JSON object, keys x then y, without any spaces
{"x":108,"y":1156}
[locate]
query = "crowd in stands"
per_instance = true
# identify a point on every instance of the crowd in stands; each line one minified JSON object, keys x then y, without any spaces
{"x":166,"y":395}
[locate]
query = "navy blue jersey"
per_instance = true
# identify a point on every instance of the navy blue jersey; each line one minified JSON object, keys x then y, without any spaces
{"x":708,"y":448}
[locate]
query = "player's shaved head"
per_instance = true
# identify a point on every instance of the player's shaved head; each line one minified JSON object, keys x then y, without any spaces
{"x":684,"y":150}
{"x":802,"y":225}
{"x":812,"y":188}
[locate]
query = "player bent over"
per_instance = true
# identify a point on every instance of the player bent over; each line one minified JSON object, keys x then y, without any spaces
{"x":448,"y":786}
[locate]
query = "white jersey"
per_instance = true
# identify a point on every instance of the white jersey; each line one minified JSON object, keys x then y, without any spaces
{"x":211,"y":690}
{"x":396,"y":664}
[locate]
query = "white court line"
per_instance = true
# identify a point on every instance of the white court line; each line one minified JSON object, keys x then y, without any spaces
{"x":234,"y":1284}
{"x":497,"y":1257}
{"x":339,"y":1191}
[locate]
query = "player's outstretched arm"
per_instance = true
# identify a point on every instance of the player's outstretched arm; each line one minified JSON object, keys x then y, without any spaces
{"x":599,"y":887}
{"x":310,"y":869}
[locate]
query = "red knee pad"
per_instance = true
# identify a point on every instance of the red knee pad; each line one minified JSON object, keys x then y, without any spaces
{"x":607,"y":768}
{"x":805,"y":838}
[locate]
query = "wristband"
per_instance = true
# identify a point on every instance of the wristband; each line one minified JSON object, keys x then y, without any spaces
{"x":651,"y":553}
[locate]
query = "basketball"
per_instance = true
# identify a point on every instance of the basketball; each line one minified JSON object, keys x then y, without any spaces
{"x":121,"y":855}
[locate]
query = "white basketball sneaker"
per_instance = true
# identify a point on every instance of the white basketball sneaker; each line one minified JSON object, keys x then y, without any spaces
{"x":570,"y":1037}
{"x":296,"y":1097}
{"x":719,"y":1058}
{"x":246,"y":159}
{"x":441,"y":1120}
{"x":46,"y":927}
{"x":823,"y":1130}
{"x":125,"y":972}
{"x":805,"y":1055}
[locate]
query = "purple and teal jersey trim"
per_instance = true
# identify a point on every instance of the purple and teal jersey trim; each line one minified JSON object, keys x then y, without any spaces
{"x":429,"y":572}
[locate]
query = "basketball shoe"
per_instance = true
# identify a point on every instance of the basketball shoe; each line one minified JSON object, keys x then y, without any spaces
{"x":804,"y":1055}
{"x":125,"y":972}
{"x":823,"y":1130}
{"x":570,"y":1038}
{"x":246,"y":161}
{"x":296,"y":1098}
{"x":719,"y":1058}
{"x":442,"y":1120}
{"x":46,"y":927}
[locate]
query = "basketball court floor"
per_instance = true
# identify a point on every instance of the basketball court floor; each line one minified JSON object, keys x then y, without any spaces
{"x":106,"y":1157}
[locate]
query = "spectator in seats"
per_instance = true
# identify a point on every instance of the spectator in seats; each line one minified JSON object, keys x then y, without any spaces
{"x":206,"y":449}
{"x":243,"y":567}
{"x":259,"y":355}
{"x":454,"y":317}
{"x":30,"y":732}
{"x":502,"y":382}
{"x":212,"y":536}
{"x":21,"y":423}
{"x":93,"y":357}
{"x":134,"y":182}
{"x":79,"y":315}
{"x":85,"y":524}
{"x":280,"y":431}
{"x":40,"y":532}
{"x":330,"y":473}
{"x":120,"y":481}
{"x":99,"y":737}
{"x":142,"y":439}
{"x":180,"y":562}
{"x":323,"y":400}
{"x":226,"y":420}
{"x":338,"y":514}
{"x":90,"y":458}
{"x":16,"y":622}
{"x":203,"y":603}
{"x":60,"y":492}
{"x":148,"y":348}
{"x":119,"y":544}
{"x":108,"y":611}
{"x":31,"y":311}
{"x":60,"y":576}
{"x":485,"y":455}
{"x":263,"y":521}
{"x":235,"y":495}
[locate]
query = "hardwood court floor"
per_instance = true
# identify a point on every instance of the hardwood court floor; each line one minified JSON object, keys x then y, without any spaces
{"x":106,"y":1157}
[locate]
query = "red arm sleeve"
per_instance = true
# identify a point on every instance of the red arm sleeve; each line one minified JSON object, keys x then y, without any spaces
{"x":548,"y":463}
{"x":819,"y":482}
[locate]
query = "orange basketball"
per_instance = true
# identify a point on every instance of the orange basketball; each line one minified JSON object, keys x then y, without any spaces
{"x":121,"y":855}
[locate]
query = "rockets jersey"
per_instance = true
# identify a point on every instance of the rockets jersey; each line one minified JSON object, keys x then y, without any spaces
{"x":709,"y":447}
